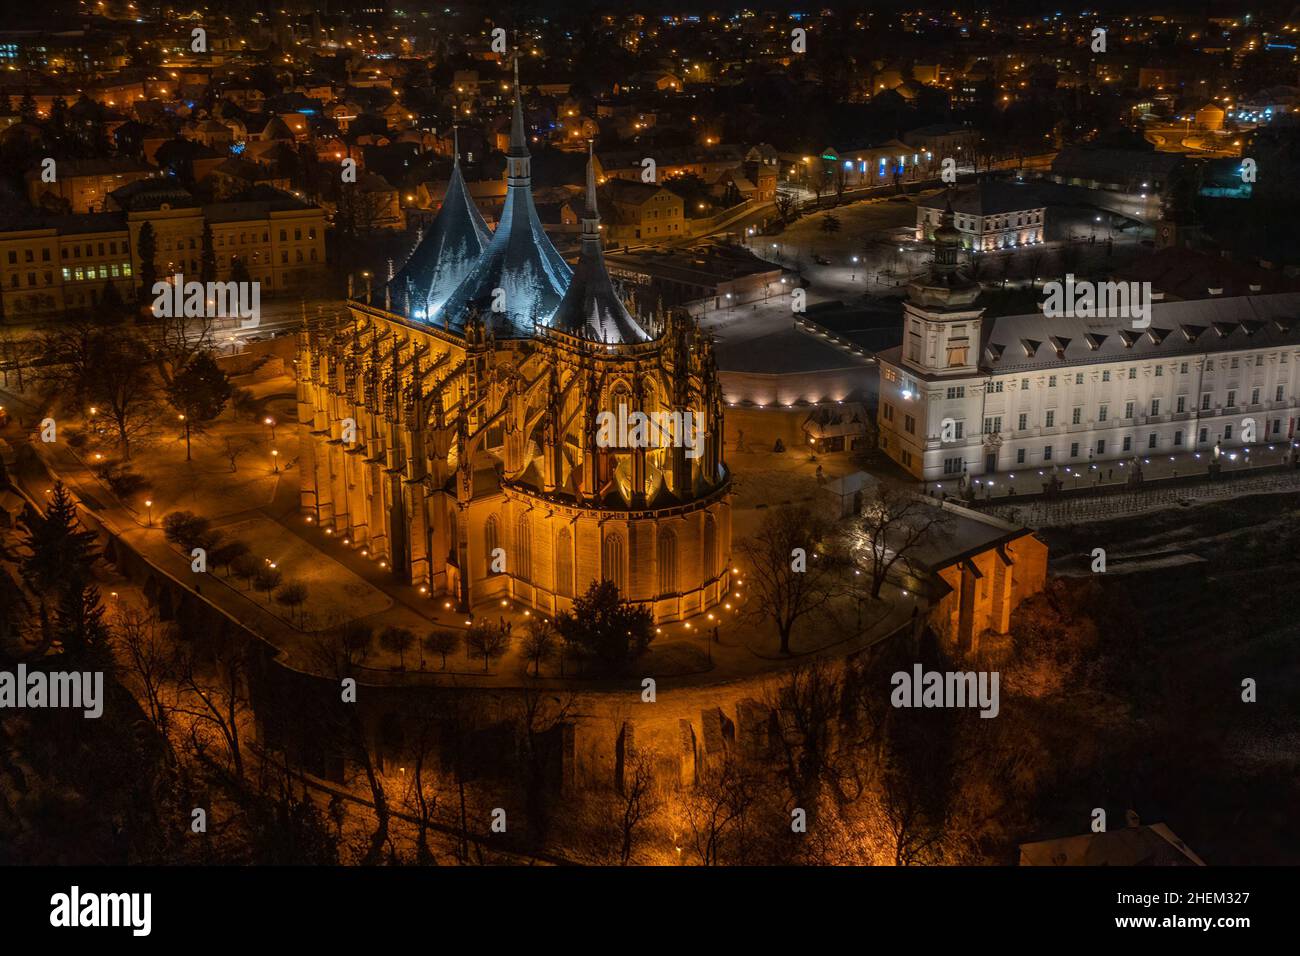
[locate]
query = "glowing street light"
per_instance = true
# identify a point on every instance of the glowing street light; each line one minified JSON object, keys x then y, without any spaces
{"x":148,"y":503}
{"x":275,"y":459}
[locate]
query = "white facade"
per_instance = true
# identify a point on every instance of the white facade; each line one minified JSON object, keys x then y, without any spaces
{"x":1088,"y":393}
{"x":987,"y":233}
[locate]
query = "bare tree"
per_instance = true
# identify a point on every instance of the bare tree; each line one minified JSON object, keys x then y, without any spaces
{"x":785,"y":204}
{"x":488,"y":640}
{"x":267,"y":578}
{"x":292,"y":596}
{"x":442,"y":642}
{"x":716,"y":809}
{"x":541,"y":642}
{"x":153,"y":667}
{"x":793,"y":572}
{"x":423,"y":790}
{"x":895,"y":521}
{"x":639,"y":800}
{"x":808,"y":703}
{"x":341,"y":721}
{"x":236,"y":448}
{"x":215,"y":698}
{"x":537,"y":723}
{"x":121,"y":383}
{"x":399,"y":640}
{"x":176,"y":340}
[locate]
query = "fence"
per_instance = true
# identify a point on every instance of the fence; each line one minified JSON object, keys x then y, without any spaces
{"x":1046,"y":512}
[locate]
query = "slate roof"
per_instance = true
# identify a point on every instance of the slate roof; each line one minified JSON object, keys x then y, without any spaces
{"x":520,"y":258}
{"x":988,"y":198}
{"x":453,"y":243}
{"x":1028,"y":343}
{"x":591,"y":307}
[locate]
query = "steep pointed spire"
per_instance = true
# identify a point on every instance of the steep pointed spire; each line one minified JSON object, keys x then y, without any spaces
{"x":591,"y":215}
{"x":455,"y":147}
{"x":520,"y":259}
{"x":591,"y":308}
{"x":518,"y":141}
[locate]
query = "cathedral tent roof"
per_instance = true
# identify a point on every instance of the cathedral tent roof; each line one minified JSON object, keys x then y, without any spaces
{"x":520,"y":259}
{"x":447,"y":253}
{"x":591,"y":308}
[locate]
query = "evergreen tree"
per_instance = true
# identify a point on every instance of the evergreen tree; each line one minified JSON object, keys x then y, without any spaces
{"x":80,"y":626}
{"x":605,"y":627}
{"x":61,"y":550}
{"x":147,"y":248}
{"x":239,"y":270}
{"x":208,"y":257}
{"x":58,"y":123}
{"x":111,"y":309}
{"x":199,"y":392}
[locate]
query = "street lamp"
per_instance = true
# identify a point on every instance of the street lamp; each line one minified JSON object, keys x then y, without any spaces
{"x":268,"y":420}
{"x":148,"y":503}
{"x":275,"y":458}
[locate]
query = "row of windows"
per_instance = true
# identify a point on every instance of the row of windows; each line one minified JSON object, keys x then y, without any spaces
{"x":111,"y":247}
{"x":1103,"y":410}
{"x":957,"y":465}
{"x":102,"y":271}
{"x":1183,"y":367}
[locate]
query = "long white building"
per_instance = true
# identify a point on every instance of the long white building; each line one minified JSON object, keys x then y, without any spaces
{"x":970,"y":394}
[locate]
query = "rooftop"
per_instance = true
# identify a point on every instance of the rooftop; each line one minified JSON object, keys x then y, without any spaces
{"x":990,"y":197}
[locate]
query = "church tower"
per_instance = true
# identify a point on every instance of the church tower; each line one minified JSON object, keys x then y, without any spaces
{"x":941,"y":321}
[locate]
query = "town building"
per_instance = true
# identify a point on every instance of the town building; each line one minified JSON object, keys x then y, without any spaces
{"x":990,"y":215}
{"x":83,"y":185}
{"x":972,"y":571}
{"x":1138,"y":844}
{"x":63,"y":262}
{"x":970,"y":394}
{"x":946,"y":141}
{"x":1133,"y":171}
{"x":639,"y":212}
{"x":49,"y":264}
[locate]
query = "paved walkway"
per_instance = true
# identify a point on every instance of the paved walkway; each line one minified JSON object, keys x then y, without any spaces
{"x":683,"y":653}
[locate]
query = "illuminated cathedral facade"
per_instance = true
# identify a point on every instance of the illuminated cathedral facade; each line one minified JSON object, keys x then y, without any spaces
{"x":455,"y":431}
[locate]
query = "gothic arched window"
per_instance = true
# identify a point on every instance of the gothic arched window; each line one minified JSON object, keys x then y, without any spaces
{"x":708,"y":556}
{"x":523,"y":567}
{"x":667,"y":562}
{"x":613,"y":561}
{"x":564,"y":563}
